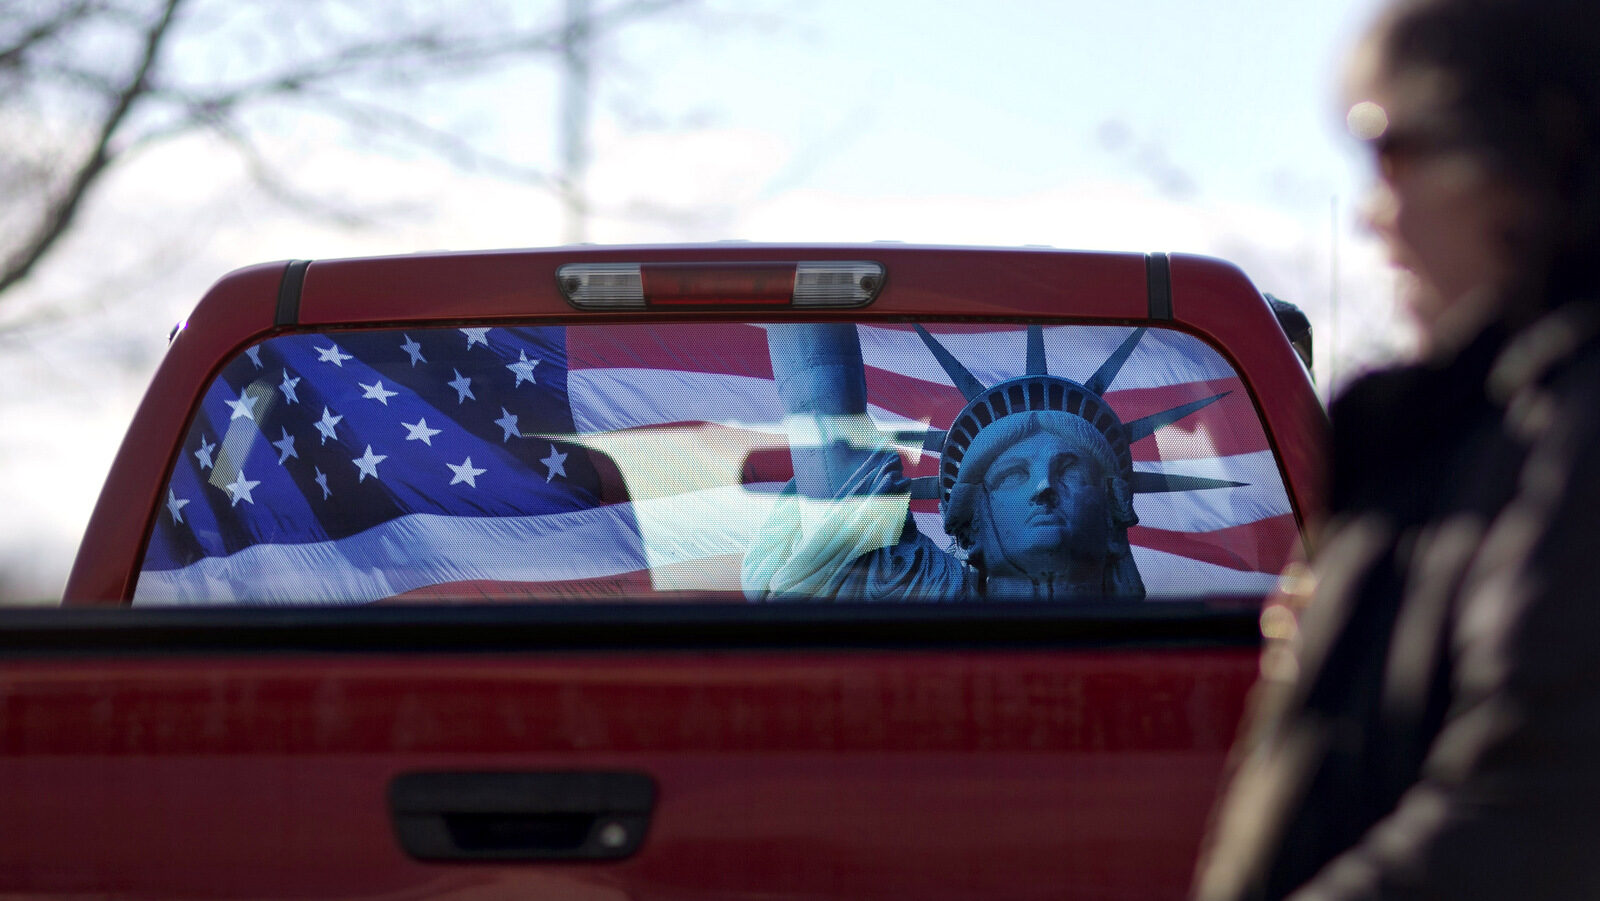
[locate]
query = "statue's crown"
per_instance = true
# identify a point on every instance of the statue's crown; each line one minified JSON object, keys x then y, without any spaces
{"x":1026,"y":394}
{"x":1038,"y":390}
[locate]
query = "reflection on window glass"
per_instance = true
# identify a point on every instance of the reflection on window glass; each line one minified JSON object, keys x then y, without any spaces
{"x":732,"y":461}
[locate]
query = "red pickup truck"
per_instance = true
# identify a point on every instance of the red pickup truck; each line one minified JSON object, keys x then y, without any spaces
{"x":722,"y":571}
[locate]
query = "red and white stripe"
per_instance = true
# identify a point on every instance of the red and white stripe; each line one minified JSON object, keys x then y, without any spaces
{"x":634,"y":394}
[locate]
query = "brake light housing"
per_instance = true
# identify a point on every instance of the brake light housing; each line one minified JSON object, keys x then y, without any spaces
{"x":807,"y":284}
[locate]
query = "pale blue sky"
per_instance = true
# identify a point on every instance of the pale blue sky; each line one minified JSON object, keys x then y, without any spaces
{"x":1006,"y":97}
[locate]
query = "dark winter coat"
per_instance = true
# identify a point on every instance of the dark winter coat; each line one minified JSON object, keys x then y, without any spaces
{"x":1431,"y":729}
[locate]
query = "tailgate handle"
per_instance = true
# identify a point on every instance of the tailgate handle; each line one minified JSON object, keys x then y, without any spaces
{"x":521,"y":816}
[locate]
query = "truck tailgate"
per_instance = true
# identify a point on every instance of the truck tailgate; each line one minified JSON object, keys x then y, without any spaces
{"x":907,"y":752}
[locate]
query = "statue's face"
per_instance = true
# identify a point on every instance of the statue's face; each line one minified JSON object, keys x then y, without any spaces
{"x":1047,"y":507}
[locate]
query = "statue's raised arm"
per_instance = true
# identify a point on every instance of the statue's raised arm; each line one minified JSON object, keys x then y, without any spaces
{"x":1035,"y":484}
{"x":842,"y":528}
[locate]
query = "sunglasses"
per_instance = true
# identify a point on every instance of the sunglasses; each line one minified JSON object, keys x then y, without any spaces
{"x":1395,"y":147}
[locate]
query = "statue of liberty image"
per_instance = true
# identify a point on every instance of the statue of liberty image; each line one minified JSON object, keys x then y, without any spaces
{"x":1035,"y":484}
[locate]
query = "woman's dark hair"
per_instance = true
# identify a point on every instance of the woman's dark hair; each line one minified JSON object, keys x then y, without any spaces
{"x":1518,"y":83}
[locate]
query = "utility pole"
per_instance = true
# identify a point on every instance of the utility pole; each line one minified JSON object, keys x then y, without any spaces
{"x":577,"y":43}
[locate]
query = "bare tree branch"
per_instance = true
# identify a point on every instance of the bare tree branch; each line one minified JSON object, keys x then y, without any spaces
{"x":280,"y":187}
{"x":345,"y":79}
{"x":453,"y":149}
{"x":425,"y":50}
{"x":11,"y":55}
{"x":63,"y":210}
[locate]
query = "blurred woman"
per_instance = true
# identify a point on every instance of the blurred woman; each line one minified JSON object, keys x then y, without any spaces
{"x":1428,"y":723}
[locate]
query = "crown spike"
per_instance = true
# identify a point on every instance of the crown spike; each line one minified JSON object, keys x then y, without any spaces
{"x":1107,"y":373}
{"x":927,"y":439}
{"x":965,"y":381}
{"x":1036,"y":364}
{"x":1143,"y":428}
{"x":1143,"y":482}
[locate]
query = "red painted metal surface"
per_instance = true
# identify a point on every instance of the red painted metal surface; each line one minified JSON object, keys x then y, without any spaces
{"x":1207,"y":297}
{"x":780,"y":775}
{"x":919,"y":281}
{"x":235,"y":313}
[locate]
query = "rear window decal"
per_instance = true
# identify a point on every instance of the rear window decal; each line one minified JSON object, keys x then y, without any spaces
{"x":612,"y":462}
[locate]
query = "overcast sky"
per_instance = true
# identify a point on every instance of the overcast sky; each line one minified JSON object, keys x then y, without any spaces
{"x":1210,"y":127}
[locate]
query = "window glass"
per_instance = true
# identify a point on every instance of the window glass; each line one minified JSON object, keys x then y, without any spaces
{"x":728,"y":461}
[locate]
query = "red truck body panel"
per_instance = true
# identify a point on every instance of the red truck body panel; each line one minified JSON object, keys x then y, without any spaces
{"x":853,"y":775}
{"x":817,"y":753}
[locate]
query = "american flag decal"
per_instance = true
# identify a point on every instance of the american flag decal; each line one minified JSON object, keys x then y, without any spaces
{"x":595,"y":462}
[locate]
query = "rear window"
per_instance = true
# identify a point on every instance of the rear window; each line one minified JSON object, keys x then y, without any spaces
{"x":722,"y":461}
